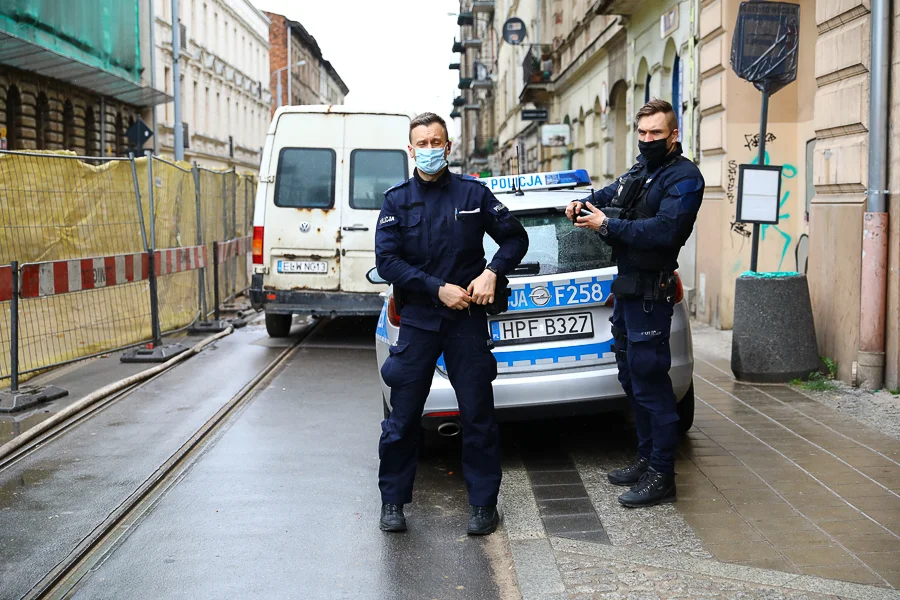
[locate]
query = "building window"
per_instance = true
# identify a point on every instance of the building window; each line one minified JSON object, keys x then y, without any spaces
{"x":91,"y":134}
{"x":676,"y":93}
{"x":13,"y":118}
{"x":42,"y":120}
{"x":68,"y":126}
{"x":120,"y":131}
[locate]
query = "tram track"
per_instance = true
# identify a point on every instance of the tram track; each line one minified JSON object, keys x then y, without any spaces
{"x":63,"y":580}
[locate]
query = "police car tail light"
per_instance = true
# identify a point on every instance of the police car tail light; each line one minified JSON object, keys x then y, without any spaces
{"x":257,"y":245}
{"x":610,"y":300}
{"x":393,"y":317}
{"x":679,"y":289}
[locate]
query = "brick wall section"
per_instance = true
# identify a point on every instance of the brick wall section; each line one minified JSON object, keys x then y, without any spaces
{"x":278,"y":56}
{"x":24,"y":134}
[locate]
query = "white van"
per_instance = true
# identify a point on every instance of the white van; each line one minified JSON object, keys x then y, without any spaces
{"x":322,"y":179}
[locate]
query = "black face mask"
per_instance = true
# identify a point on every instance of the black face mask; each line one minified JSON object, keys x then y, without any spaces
{"x":654,"y":151}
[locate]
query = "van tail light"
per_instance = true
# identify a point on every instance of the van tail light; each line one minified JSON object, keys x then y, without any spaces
{"x":679,"y":289}
{"x":257,"y":245}
{"x":393,"y":316}
{"x":610,"y":301}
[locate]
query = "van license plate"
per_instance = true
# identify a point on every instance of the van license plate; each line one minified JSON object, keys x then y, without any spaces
{"x":302,"y":266}
{"x":538,"y":329}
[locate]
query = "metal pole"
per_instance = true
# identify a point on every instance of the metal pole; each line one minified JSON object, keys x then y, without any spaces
{"x":176,"y":85}
{"x":14,"y":329}
{"x":278,"y":86}
{"x":224,"y":225}
{"x":876,"y":232}
{"x":151,"y":262}
{"x":201,"y":274}
{"x":216,"y":278}
{"x":137,"y":195}
{"x":153,"y":73}
{"x":764,"y":115}
{"x":233,"y":228}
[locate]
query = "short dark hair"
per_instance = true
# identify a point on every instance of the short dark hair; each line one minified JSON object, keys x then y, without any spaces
{"x":658,"y":106}
{"x":429,"y":118}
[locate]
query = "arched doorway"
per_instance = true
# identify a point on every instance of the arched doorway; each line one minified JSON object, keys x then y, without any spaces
{"x":13,"y":118}
{"x":617,"y":99}
{"x":42,"y":121}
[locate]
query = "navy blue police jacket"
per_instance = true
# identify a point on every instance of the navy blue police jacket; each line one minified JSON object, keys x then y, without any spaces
{"x":674,"y":193}
{"x":432,"y":233}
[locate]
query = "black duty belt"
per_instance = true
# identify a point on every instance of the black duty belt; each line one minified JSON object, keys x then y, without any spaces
{"x":645,"y":285}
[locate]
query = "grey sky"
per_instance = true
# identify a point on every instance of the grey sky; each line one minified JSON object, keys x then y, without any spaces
{"x":392,"y":54}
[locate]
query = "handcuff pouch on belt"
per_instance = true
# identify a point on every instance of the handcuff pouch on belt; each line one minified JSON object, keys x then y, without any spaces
{"x":650,"y":287}
{"x":501,"y":297}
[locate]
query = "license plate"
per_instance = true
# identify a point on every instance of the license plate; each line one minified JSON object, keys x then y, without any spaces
{"x":537,"y":329}
{"x":302,"y":266}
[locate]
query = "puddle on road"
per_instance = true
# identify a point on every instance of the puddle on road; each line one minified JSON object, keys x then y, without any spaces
{"x":14,"y":425}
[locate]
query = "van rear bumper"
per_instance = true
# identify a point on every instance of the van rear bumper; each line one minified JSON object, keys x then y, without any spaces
{"x":314,"y":302}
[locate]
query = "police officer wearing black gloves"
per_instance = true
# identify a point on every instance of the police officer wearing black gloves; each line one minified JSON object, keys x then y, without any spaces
{"x":647,"y":216}
{"x":429,"y":243}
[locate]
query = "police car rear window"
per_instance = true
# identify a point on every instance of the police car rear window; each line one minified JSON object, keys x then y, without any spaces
{"x":555,"y":245}
{"x":305,"y":178}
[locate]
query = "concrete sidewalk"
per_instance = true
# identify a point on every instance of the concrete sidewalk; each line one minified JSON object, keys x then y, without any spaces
{"x":781,"y":495}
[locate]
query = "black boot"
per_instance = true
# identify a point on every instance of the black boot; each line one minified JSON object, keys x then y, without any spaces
{"x":629,"y":475}
{"x":392,"y":518}
{"x":484,"y":520}
{"x":653,"y":488}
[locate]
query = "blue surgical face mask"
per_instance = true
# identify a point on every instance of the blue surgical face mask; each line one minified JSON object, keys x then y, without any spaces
{"x":430,"y":160}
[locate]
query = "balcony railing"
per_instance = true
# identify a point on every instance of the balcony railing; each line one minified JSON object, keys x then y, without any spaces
{"x":465,"y":18}
{"x":473,"y":43}
{"x":465,"y":83}
{"x":459,"y":101}
{"x":454,"y":66}
{"x":458,"y":47}
{"x":483,"y":6}
{"x":455,"y":114}
{"x":537,"y":78}
{"x":483,"y":84}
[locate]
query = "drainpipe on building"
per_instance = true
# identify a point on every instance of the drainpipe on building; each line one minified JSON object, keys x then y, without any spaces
{"x":102,"y":126}
{"x":873,"y":285}
{"x":176,"y":81}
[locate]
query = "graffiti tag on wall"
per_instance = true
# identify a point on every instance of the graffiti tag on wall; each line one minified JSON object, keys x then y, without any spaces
{"x":732,"y":180}
{"x":751,"y":141}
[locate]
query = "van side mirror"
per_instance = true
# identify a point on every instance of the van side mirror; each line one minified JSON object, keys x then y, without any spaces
{"x":374,"y":277}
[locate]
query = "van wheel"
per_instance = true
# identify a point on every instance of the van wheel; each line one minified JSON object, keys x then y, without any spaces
{"x":685,"y":410}
{"x":278,"y":326}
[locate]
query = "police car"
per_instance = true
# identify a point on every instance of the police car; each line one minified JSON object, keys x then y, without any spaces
{"x":554,"y":347}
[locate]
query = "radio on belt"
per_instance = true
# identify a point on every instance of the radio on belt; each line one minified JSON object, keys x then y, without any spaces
{"x":537,"y":181}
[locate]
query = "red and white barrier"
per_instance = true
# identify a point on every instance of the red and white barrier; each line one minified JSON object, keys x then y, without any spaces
{"x":234,"y":248}
{"x":5,"y":283}
{"x":178,"y":260}
{"x":65,"y":276}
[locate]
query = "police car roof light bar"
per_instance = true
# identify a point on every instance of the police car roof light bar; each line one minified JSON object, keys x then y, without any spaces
{"x":537,"y":181}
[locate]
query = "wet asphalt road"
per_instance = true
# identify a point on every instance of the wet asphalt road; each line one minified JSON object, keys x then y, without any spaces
{"x":282,"y":504}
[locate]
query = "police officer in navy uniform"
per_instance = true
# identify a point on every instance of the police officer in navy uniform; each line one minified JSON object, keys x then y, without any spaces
{"x":647,"y":216}
{"x":429,"y":243}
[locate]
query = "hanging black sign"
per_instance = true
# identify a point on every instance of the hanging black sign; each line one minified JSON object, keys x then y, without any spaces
{"x":766,"y":44}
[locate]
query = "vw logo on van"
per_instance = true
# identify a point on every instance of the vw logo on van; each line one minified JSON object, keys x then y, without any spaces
{"x":304,"y":227}
{"x":540,"y":296}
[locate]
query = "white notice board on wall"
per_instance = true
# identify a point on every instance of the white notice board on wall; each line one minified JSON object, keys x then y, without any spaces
{"x":759,"y":191}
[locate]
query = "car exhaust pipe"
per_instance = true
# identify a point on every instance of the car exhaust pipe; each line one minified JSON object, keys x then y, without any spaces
{"x":449,"y":428}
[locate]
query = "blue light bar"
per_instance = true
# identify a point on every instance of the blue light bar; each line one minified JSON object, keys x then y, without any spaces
{"x":537,"y":181}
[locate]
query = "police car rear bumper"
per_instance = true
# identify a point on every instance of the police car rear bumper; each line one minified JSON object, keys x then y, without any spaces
{"x":581,"y":392}
{"x":288,"y":302}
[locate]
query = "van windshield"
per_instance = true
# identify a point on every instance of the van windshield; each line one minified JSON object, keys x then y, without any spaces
{"x":555,"y":245}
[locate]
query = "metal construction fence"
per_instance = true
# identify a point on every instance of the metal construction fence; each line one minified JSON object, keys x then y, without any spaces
{"x":111,"y":252}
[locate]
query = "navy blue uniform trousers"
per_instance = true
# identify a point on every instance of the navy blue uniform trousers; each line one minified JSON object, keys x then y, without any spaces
{"x":644,"y":375}
{"x":471,"y":368}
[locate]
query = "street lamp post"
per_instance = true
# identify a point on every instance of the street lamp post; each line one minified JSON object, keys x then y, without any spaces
{"x":278,"y":78}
